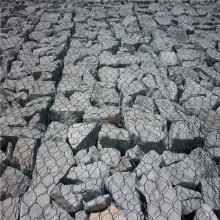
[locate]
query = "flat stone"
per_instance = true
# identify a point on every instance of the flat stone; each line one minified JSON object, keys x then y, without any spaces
{"x":210,"y":192}
{"x":205,"y":212}
{"x":13,"y":183}
{"x":159,"y":205}
{"x":63,"y":196}
{"x":188,"y":54}
{"x":10,"y":208}
{"x":135,"y":154}
{"x":42,"y":26}
{"x":108,"y":114}
{"x":99,"y":203}
{"x":212,"y":55}
{"x":24,"y":153}
{"x":83,"y":135}
{"x":151,"y":160}
{"x":114,"y":137}
{"x":124,"y":182}
{"x":110,"y":156}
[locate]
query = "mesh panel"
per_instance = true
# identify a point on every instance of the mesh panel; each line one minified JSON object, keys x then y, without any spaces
{"x":110,"y":109}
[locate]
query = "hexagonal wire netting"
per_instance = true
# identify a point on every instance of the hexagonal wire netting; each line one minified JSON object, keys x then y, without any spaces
{"x":110,"y":110}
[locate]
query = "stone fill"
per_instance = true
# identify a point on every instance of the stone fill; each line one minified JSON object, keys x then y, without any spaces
{"x":110,"y":109}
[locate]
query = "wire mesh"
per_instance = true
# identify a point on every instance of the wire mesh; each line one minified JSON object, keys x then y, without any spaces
{"x":110,"y":109}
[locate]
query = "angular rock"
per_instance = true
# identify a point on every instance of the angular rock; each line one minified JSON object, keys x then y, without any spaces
{"x":123,"y":166}
{"x":145,"y":128}
{"x":109,"y":213}
{"x":135,"y":154}
{"x":83,"y":135}
{"x":104,"y":96}
{"x":151,"y":160}
{"x":210,"y":192}
{"x":114,"y":137}
{"x":110,"y":156}
{"x":168,"y":58}
{"x":13,"y":183}
{"x":108,"y":74}
{"x":124,"y":182}
{"x":82,"y":157}
{"x":160,"y":205}
{"x":24,"y":153}
{"x":97,"y":204}
{"x":10,"y":208}
{"x":191,"y":205}
{"x":63,"y":196}
{"x":66,"y":112}
{"x":94,"y":153}
{"x":144,"y":102}
{"x":108,"y":114}
{"x":56,"y":132}
{"x":188,"y":54}
{"x":81,"y":215}
{"x":52,"y":162}
{"x":170,"y":158}
{"x":205,"y":213}
{"x":185,"y":194}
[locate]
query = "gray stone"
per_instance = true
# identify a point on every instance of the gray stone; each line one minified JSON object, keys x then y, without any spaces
{"x":168,"y":58}
{"x":56,"y":132}
{"x":170,"y":157}
{"x":94,"y":153}
{"x":184,"y":134}
{"x":149,"y":82}
{"x":50,"y":17}
{"x":41,"y":88}
{"x":83,"y":135}
{"x":108,"y":114}
{"x":144,"y":102}
{"x":104,"y":96}
{"x":108,"y":74}
{"x":43,"y":26}
{"x":114,"y":137}
{"x":63,"y":196}
{"x":99,"y":203}
{"x":151,"y":160}
{"x":210,"y":192}
{"x":124,"y":182}
{"x":185,"y":194}
{"x":190,"y":205}
{"x":135,"y":154}
{"x":81,"y":215}
{"x":159,"y":204}
{"x":24,"y":154}
{"x":10,"y":208}
{"x":66,"y":112}
{"x":52,"y":162}
{"x":13,"y":183}
{"x":145,"y":128}
{"x":212,"y":55}
{"x":205,"y":213}
{"x":123,"y":166}
{"x":163,"y":20}
{"x":35,"y":204}
{"x":82,"y":157}
{"x":110,"y":156}
{"x":188,"y":54}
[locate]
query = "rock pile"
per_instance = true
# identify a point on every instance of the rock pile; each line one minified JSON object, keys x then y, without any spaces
{"x":110,"y":109}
